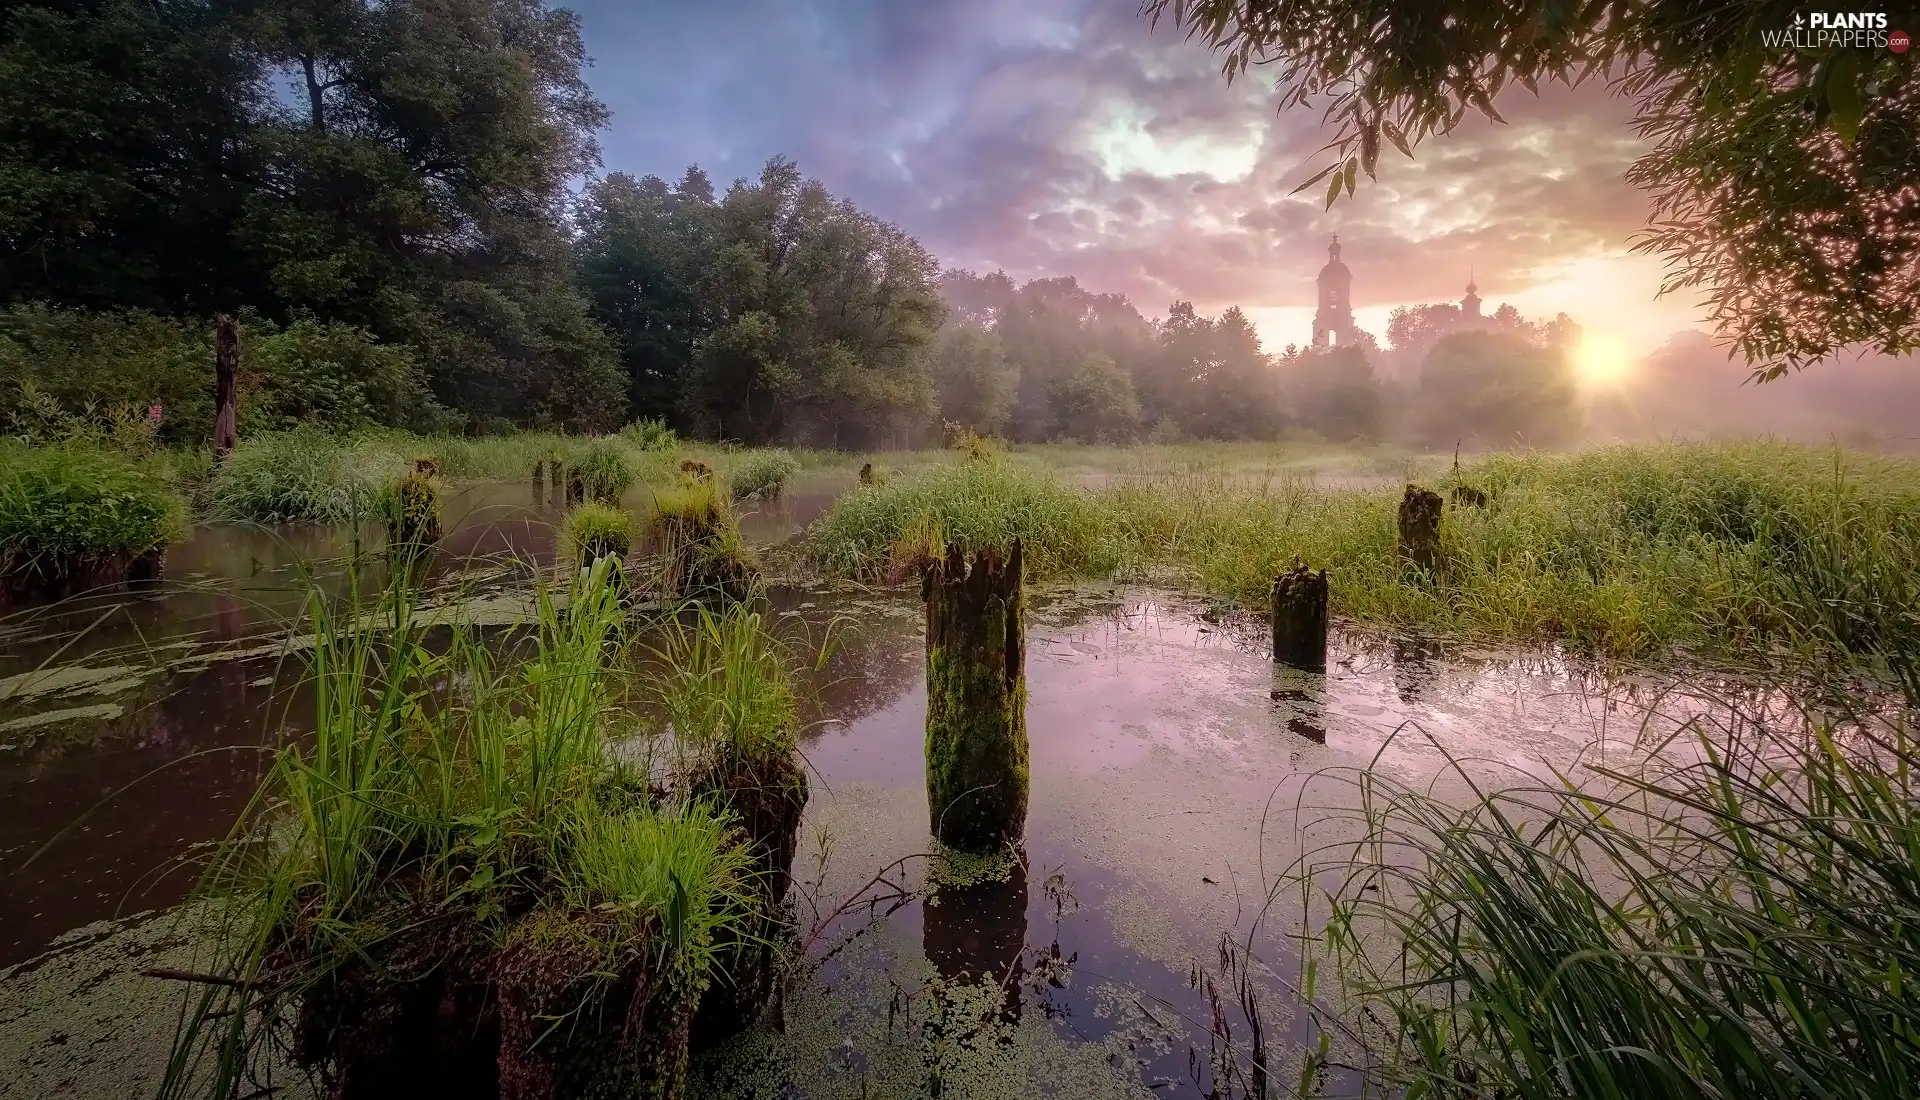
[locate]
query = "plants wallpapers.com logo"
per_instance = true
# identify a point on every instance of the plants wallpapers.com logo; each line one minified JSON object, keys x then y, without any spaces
{"x":1822,"y":30}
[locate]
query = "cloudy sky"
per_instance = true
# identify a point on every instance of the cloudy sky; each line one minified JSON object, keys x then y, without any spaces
{"x":1051,"y":137}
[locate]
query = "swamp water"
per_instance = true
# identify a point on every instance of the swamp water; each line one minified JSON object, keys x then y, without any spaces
{"x":1174,"y":772}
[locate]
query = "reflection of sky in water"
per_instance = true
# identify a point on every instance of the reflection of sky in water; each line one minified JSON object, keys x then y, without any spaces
{"x":1175,"y":771}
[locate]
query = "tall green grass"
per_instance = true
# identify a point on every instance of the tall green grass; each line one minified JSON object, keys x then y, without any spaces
{"x":1628,"y":551}
{"x":63,"y":506}
{"x":302,"y":475}
{"x":1740,"y":921}
{"x":435,"y":781}
{"x":761,"y":475}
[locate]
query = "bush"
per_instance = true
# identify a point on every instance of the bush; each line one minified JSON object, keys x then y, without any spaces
{"x":604,"y":472}
{"x":761,"y":474}
{"x":333,"y":376}
{"x":651,"y":435}
{"x":302,"y":475}
{"x":594,"y":531}
{"x":1497,"y":389}
{"x":91,"y":362}
{"x":63,"y":508}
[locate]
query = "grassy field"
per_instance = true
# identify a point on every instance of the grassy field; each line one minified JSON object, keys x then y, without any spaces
{"x":1625,"y":551}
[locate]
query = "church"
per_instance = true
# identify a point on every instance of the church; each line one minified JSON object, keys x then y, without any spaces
{"x":1333,"y":321}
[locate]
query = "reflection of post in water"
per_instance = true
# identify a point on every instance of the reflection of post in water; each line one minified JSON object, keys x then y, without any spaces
{"x":974,"y":935}
{"x":1299,"y":693}
{"x":1412,"y":669}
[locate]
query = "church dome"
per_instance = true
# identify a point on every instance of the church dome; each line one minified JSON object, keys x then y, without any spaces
{"x":1335,"y":271}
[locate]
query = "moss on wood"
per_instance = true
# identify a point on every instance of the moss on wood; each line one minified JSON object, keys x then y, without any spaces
{"x":977,"y":779}
{"x":1420,"y":511}
{"x":1299,"y":612}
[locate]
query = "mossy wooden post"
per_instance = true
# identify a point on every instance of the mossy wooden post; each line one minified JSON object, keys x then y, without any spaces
{"x":557,"y":469}
{"x":866,"y":473}
{"x":976,"y":699}
{"x":226,"y":385}
{"x":576,"y":487}
{"x":413,"y":523}
{"x":539,"y":484}
{"x":1420,"y":529}
{"x":1300,"y":618}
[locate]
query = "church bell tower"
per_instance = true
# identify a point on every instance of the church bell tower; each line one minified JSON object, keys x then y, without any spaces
{"x":1333,"y":321}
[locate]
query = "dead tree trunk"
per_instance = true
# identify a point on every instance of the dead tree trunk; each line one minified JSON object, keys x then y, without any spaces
{"x":976,"y":699}
{"x":226,"y":385}
{"x":1420,"y":529}
{"x":1300,"y":618}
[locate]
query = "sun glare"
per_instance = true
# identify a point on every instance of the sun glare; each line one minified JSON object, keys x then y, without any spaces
{"x":1601,"y":360}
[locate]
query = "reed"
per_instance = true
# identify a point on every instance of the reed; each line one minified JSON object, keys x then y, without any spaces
{"x":453,"y":831}
{"x":71,"y":512}
{"x":1739,"y":917}
{"x":760,"y":474}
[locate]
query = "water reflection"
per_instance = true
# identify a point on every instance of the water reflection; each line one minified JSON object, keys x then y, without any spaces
{"x":1299,"y":694}
{"x":978,"y":933}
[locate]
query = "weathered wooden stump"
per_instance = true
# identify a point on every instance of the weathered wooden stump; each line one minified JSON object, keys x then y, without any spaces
{"x":1420,"y":511}
{"x":866,"y":473}
{"x":695,"y":470}
{"x":976,"y":699}
{"x":557,"y":470}
{"x":413,"y":515}
{"x":1300,"y":617}
{"x":576,"y":487}
{"x":226,"y":386}
{"x":540,"y":484}
{"x":1467,"y":495}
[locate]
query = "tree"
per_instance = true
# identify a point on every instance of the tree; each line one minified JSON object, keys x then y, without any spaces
{"x":1781,"y":178}
{"x":124,"y":156}
{"x":1333,"y":392}
{"x":1497,"y":389}
{"x":1093,"y":399}
{"x":974,"y":383}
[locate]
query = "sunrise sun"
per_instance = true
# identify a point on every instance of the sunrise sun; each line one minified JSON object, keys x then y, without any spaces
{"x":1601,"y":360}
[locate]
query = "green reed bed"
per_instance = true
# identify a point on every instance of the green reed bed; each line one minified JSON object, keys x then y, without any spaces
{"x":1628,"y":551}
{"x":456,"y":839}
{"x":760,"y":474}
{"x":68,"y":513}
{"x":303,"y":475}
{"x":1743,"y":921}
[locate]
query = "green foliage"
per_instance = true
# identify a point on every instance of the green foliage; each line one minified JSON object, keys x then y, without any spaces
{"x":725,"y":687}
{"x":879,"y":531}
{"x":301,"y":475}
{"x":1739,"y":925}
{"x":332,"y":376}
{"x":774,"y":311}
{"x":90,"y":362}
{"x":151,"y":164}
{"x":1490,"y":388}
{"x":63,"y":505}
{"x":411,"y":508}
{"x":1333,"y":392}
{"x":976,"y":384}
{"x":1629,"y":551}
{"x":651,"y":435}
{"x":604,"y":472}
{"x":1093,"y":401}
{"x":761,"y":475}
{"x":491,"y":791}
{"x":1752,"y":144}
{"x":593,"y":531}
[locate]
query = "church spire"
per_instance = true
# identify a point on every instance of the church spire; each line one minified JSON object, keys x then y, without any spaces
{"x":1333,"y":250}
{"x":1470,"y":305}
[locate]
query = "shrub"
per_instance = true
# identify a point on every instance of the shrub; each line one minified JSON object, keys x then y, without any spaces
{"x":603,"y":471}
{"x":63,"y":509}
{"x":1498,"y":389}
{"x":651,"y":435}
{"x":332,"y":376}
{"x":301,"y":475}
{"x":90,"y":362}
{"x":761,"y":474}
{"x":593,"y":531}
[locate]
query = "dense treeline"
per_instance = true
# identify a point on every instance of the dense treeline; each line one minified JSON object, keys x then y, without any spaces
{"x":379,"y":190}
{"x":392,"y":169}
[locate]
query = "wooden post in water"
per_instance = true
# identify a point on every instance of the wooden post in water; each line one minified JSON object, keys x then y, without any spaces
{"x":976,"y":699}
{"x":1300,"y":618}
{"x":226,"y":385}
{"x":555,"y":468}
{"x":1420,"y":529}
{"x":866,"y":473}
{"x":539,"y":484}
